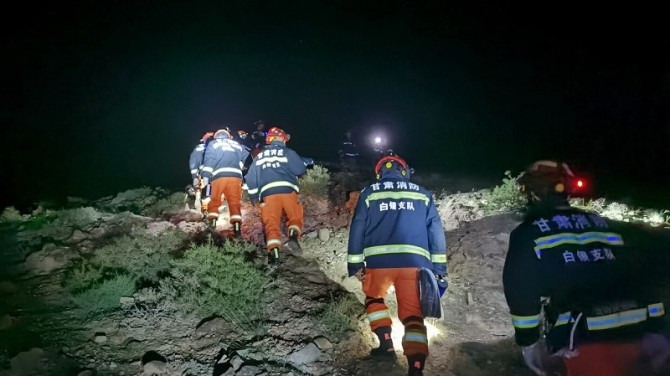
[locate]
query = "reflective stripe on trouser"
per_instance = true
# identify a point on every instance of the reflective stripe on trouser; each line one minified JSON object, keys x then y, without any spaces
{"x":231,"y":189}
{"x":272,"y":210}
{"x":375,"y":287}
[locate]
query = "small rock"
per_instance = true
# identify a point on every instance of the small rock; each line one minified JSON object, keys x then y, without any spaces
{"x":236,"y":362}
{"x":248,"y":370}
{"x":113,"y":365}
{"x":469,"y":299}
{"x":77,"y":237}
{"x":216,"y":326}
{"x":324,"y":234}
{"x":6,"y":321}
{"x":7,"y":288}
{"x":308,"y":354}
{"x":155,"y":367}
{"x":156,"y":228}
{"x":100,"y":338}
{"x":311,"y":235}
{"x":323,"y":343}
{"x":126,"y":300}
{"x":86,"y":372}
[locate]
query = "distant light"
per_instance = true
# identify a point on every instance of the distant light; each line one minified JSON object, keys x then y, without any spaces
{"x":580,"y":183}
{"x":378,"y":140}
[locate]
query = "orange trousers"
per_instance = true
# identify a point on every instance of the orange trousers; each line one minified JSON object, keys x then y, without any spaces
{"x":405,"y":280}
{"x":231,"y":189}
{"x":606,"y":359}
{"x":272,"y":211}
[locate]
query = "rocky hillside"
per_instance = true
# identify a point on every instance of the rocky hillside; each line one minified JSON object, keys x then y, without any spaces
{"x":135,"y":284}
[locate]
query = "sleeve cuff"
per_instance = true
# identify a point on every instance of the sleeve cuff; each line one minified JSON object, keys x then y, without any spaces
{"x":354,"y":268}
{"x":439,"y":268}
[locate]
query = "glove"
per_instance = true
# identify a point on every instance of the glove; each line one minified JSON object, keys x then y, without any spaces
{"x":196,"y":183}
{"x":534,"y":356}
{"x":442,"y":284}
{"x":205,"y":181}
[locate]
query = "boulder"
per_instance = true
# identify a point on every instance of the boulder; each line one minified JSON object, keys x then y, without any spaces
{"x":307,"y":355}
{"x":31,"y":362}
{"x":155,"y":368}
{"x":156,"y":228}
{"x":49,"y":259}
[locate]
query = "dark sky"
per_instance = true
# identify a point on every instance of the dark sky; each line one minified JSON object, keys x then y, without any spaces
{"x":105,"y":96}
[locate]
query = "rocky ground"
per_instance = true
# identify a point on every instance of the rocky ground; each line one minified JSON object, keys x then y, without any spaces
{"x":41,"y":332}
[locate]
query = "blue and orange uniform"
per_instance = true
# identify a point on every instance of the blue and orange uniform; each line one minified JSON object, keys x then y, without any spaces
{"x":591,"y":274}
{"x":396,"y":230}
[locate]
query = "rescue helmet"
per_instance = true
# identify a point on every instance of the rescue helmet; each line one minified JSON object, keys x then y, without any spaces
{"x":242,"y":134}
{"x":206,"y":136}
{"x":545,"y":178}
{"x":391,"y":162}
{"x":223,"y":133}
{"x":276,"y":133}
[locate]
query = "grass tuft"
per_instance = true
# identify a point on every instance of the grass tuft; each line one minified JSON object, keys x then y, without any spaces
{"x":212,"y":280}
{"x":338,"y":317}
{"x":104,"y":296}
{"x":315,"y":181}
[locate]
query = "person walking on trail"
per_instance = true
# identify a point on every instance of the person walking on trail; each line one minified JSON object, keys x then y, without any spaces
{"x":395,"y":231}
{"x":348,"y":153}
{"x":195,"y":163}
{"x":258,"y":138}
{"x":224,"y":159}
{"x":272,"y":180}
{"x":584,"y":281}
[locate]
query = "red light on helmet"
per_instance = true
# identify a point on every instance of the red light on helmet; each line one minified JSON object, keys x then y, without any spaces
{"x":579,"y":184}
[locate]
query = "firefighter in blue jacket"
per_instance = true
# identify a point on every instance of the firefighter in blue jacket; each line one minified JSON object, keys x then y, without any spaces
{"x":600,"y":308}
{"x":195,"y":165}
{"x":224,"y":159}
{"x":273,"y":180}
{"x":395,"y":231}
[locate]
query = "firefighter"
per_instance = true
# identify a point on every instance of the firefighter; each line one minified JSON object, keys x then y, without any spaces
{"x":272,"y":180}
{"x":395,"y":231}
{"x":585,"y":276}
{"x":348,"y":153}
{"x":258,"y":138}
{"x":195,"y":164}
{"x":224,"y":159}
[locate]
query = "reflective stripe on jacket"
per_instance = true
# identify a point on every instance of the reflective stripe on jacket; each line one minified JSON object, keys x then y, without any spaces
{"x":396,"y":225}
{"x":274,"y":170}
{"x":223,"y":158}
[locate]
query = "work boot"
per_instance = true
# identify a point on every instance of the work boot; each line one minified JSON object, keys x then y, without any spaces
{"x":385,"y":348}
{"x":237,"y":230}
{"x":416,"y":363}
{"x":273,"y":257}
{"x":292,"y":243}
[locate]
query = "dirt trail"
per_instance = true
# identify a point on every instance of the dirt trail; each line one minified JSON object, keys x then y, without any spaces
{"x":474,"y":337}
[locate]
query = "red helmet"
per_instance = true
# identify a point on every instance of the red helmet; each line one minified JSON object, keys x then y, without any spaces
{"x":387,"y":162}
{"x":206,"y":136}
{"x":224,"y":131}
{"x":276,"y":133}
{"x":544,"y":178}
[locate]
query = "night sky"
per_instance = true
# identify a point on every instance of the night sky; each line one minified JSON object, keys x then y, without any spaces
{"x":105,"y":96}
